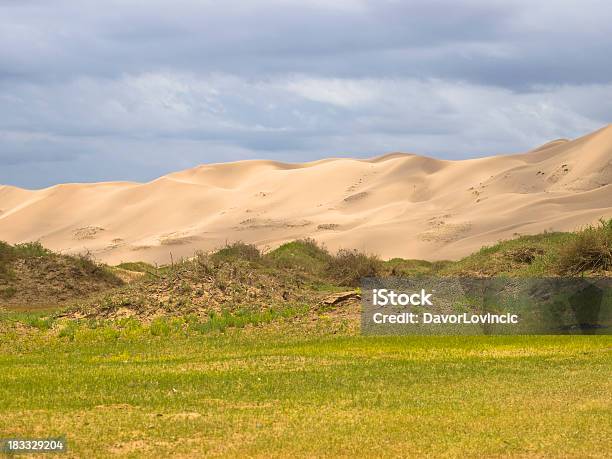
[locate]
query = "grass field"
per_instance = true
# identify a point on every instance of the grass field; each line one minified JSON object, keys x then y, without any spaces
{"x":242,"y":353}
{"x":293,"y":389}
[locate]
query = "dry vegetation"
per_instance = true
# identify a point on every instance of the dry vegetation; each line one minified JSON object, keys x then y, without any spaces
{"x":239,"y":277}
{"x":588,"y":250}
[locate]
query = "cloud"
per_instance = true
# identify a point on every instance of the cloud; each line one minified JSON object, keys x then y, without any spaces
{"x":143,"y":89}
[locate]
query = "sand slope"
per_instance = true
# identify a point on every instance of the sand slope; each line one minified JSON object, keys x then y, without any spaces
{"x":397,"y":205}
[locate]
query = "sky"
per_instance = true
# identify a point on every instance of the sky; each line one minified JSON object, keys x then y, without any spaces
{"x":134,"y":89}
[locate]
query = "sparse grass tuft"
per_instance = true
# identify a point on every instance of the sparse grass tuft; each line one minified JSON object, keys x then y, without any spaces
{"x":162,"y":326}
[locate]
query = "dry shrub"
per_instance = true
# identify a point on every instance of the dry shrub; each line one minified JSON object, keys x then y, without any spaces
{"x":525,"y":255}
{"x":237,"y":250}
{"x":589,"y":250}
{"x":348,"y":267}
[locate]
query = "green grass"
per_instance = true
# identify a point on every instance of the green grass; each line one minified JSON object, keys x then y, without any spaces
{"x":289,"y":390}
{"x":41,"y":320}
{"x":588,"y":250}
{"x":138,"y":267}
{"x":406,"y":268}
{"x":271,"y":376}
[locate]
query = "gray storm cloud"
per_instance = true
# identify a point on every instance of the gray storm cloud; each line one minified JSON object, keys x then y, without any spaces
{"x":134,"y":89}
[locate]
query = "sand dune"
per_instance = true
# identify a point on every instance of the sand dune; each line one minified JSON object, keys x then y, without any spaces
{"x":397,"y":205}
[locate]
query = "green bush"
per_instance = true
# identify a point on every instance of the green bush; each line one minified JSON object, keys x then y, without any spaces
{"x":588,"y":250}
{"x":237,"y":250}
{"x":304,"y":254}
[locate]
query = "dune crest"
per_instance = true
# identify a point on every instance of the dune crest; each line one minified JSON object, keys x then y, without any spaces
{"x":395,"y":205}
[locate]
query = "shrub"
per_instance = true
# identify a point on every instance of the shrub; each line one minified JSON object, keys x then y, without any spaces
{"x":237,"y":250}
{"x":588,"y":250}
{"x":348,"y":267}
{"x":304,"y":254}
{"x":524,"y":255}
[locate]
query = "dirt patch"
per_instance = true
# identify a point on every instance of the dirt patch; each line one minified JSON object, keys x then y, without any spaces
{"x":200,"y":286}
{"x":342,"y":297}
{"x":54,"y":279}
